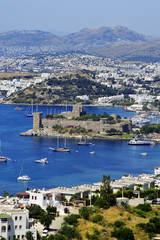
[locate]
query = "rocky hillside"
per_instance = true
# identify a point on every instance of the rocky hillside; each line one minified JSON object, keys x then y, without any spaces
{"x":118,"y":42}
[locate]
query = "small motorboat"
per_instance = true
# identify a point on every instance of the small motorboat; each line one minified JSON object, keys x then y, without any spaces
{"x":43,"y":160}
{"x":92,"y":153}
{"x":144,"y":154}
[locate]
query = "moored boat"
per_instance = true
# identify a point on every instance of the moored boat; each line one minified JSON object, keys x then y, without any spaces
{"x":144,"y":154}
{"x":43,"y":160}
{"x":60,"y":149}
{"x":92,"y":153}
{"x":18,"y":109}
{"x":140,"y":142}
{"x":23,"y":178}
{"x":3,"y":159}
{"x":83,"y":143}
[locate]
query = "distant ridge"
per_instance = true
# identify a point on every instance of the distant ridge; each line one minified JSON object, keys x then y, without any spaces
{"x":118,"y":42}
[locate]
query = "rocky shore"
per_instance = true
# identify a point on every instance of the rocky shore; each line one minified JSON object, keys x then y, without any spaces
{"x":50,"y":133}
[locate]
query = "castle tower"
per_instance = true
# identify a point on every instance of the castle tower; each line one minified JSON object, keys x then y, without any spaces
{"x":37,"y":120}
{"x":77,"y":110}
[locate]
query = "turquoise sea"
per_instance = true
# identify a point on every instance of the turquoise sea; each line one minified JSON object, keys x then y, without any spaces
{"x":65,"y":169}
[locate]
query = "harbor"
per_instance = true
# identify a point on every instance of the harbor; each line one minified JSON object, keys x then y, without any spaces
{"x":66,"y":169}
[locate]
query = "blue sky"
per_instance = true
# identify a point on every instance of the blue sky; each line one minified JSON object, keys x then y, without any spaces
{"x":73,"y":15}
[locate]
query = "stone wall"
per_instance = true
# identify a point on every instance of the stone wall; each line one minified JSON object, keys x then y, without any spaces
{"x":96,"y":126}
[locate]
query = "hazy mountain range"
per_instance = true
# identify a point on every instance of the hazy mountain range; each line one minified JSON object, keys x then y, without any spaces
{"x":118,"y":42}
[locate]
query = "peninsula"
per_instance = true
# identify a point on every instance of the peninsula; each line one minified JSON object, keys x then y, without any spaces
{"x":78,"y":123}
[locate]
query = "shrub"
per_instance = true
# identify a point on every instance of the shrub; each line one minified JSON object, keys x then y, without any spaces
{"x":70,"y":232}
{"x":156,"y":222}
{"x":141,"y":226}
{"x":85,"y":212}
{"x":93,"y":236}
{"x":97,"y":218}
{"x":128,"y":208}
{"x":102,"y":203}
{"x":66,"y":210}
{"x":71,"y":219}
{"x":60,"y":237}
{"x":118,"y":224}
{"x":123,"y":233}
{"x":140,"y":213}
{"x":146,"y":207}
{"x":150,"y":228}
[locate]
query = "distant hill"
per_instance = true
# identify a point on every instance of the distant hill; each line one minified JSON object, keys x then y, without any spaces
{"x":118,"y":42}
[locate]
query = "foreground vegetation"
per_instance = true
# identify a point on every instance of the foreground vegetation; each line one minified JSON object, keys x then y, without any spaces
{"x":105,"y":220}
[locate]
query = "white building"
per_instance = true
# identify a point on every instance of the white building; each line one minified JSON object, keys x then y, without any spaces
{"x":15,"y":222}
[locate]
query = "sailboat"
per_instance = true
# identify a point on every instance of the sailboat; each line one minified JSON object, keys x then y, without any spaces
{"x":28,"y":109}
{"x":3,"y":158}
{"x":58,"y":149}
{"x":23,"y":177}
{"x":83,"y":143}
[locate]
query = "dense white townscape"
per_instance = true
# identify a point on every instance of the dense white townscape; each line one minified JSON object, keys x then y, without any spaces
{"x":142,"y":78}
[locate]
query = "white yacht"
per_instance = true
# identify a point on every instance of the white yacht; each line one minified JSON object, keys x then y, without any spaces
{"x":23,"y":178}
{"x":140,"y":142}
{"x":43,"y":160}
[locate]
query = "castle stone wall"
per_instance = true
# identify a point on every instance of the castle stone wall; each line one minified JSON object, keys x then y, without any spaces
{"x":96,"y":126}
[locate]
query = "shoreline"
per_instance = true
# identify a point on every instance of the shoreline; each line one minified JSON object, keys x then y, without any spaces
{"x":51,"y":134}
{"x":64,"y":105}
{"x":48,"y":133}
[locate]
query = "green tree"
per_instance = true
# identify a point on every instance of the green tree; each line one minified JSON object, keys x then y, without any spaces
{"x":5,"y":193}
{"x":85,"y":212}
{"x":72,"y":219}
{"x":29,"y":235}
{"x":35,"y":212}
{"x":105,"y":187}
{"x":51,"y":210}
{"x":46,"y":220}
{"x":106,"y":191}
{"x":70,"y":232}
{"x":101,"y":203}
{"x":60,"y":237}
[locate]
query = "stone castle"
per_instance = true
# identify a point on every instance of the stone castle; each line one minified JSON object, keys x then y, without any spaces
{"x":97,"y":126}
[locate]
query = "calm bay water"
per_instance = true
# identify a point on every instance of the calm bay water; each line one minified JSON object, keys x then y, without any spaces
{"x":65,"y":169}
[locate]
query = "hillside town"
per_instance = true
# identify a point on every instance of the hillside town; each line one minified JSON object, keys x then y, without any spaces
{"x":133,"y":83}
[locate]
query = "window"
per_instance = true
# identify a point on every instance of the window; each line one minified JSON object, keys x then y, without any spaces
{"x":4,"y":220}
{"x":22,"y":236}
{"x":44,"y":198}
{"x":9,"y":227}
{"x":16,"y":218}
{"x":3,"y":228}
{"x":32,"y":197}
{"x":20,"y":226}
{"x":14,"y":236}
{"x":35,"y":198}
{"x":18,"y":236}
{"x":20,"y":218}
{"x":15,"y":226}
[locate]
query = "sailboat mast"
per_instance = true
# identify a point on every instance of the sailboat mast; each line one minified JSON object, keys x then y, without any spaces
{"x":58,"y":142}
{"x":32,"y":106}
